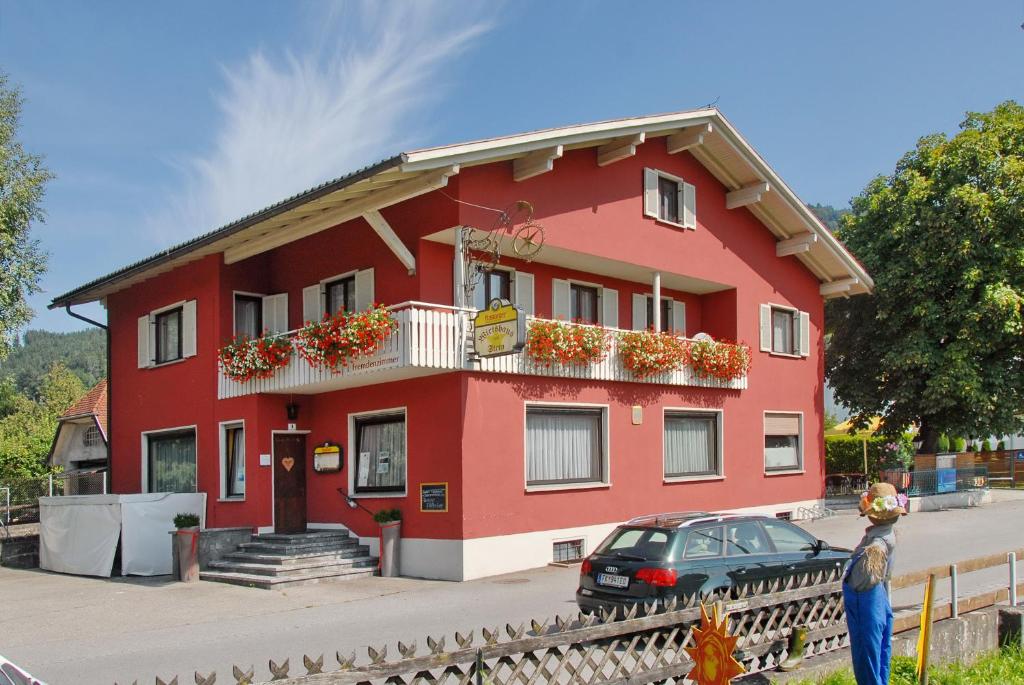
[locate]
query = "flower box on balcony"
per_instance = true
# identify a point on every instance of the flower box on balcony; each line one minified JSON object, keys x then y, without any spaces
{"x":557,"y":342}
{"x":244,"y":359}
{"x":332,"y":343}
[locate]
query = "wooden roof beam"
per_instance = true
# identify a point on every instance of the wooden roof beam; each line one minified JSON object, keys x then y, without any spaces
{"x":840,"y":287}
{"x":687,"y":138}
{"x":392,"y":195}
{"x":391,"y":239}
{"x":795,"y":245}
{"x":536,"y":163}
{"x":619,"y":149}
{"x":747,"y":195}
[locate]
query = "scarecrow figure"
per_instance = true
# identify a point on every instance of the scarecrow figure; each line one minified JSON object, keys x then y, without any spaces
{"x":865,"y":585}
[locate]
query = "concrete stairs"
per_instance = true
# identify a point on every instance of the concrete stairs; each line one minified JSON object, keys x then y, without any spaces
{"x":277,"y":560}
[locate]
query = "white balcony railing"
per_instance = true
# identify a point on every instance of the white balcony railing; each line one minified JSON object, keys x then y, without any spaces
{"x":435,"y":339}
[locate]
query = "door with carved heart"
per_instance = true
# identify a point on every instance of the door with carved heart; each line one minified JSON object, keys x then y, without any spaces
{"x":289,"y":483}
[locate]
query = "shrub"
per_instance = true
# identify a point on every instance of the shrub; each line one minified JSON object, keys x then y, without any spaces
{"x":959,"y":446}
{"x":1001,"y":446}
{"x":986,"y":446}
{"x":186,"y":520}
{"x":943,"y":444}
{"x":387,"y":516}
{"x":845,"y":454}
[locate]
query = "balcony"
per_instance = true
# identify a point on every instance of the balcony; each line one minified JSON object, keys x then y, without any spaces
{"x":435,"y":339}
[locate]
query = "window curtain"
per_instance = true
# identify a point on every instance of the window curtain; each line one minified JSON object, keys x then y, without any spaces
{"x":172,"y":463}
{"x":563,"y":447}
{"x":690,"y":445}
{"x":169,"y":336}
{"x":381,"y":458}
{"x":247,"y":317}
{"x":781,"y":452}
{"x":782,"y":332}
{"x":234,"y":456}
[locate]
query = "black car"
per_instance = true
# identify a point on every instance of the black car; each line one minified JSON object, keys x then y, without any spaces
{"x":653,"y":558}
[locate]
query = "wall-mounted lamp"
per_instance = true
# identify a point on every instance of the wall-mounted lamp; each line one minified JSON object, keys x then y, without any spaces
{"x":293,"y":411}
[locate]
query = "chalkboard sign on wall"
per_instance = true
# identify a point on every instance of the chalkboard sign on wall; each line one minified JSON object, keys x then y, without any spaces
{"x":434,"y":497}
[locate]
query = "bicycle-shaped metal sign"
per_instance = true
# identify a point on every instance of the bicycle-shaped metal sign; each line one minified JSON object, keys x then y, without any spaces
{"x":482,"y":249}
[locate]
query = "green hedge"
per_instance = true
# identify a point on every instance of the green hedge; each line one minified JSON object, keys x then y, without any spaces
{"x":845,"y":454}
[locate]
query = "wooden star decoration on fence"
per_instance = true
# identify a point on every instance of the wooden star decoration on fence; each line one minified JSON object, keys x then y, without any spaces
{"x":713,"y":663}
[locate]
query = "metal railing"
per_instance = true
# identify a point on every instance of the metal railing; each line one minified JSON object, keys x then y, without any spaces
{"x":20,"y":498}
{"x":83,"y":482}
{"x":943,"y":481}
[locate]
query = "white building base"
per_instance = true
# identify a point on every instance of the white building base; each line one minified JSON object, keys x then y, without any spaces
{"x":491,"y":556}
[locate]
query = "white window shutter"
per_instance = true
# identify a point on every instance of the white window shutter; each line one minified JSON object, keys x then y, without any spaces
{"x":560,"y":306}
{"x":188,"y":329}
{"x":766,"y":328}
{"x":145,"y":356}
{"x":678,"y":323}
{"x":651,"y":193}
{"x":364,"y":289}
{"x":275,"y":313}
{"x":609,"y":307}
{"x":805,"y":334}
{"x":639,"y":312}
{"x":312,"y":303}
{"x":689,"y":205}
{"x":524,"y":292}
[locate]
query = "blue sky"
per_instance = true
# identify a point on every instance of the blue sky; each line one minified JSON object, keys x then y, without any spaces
{"x":163,"y":121}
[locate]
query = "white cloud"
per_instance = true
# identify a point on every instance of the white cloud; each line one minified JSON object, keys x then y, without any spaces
{"x":294,"y":119}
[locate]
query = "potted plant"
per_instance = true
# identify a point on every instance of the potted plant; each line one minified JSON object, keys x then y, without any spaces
{"x":647,"y":353}
{"x":186,"y":547}
{"x":557,"y":342}
{"x":244,"y":359}
{"x":340,"y":338}
{"x":390,"y":521}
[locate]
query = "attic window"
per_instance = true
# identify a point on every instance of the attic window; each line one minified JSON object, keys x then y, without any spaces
{"x":92,"y":437}
{"x":669,"y":199}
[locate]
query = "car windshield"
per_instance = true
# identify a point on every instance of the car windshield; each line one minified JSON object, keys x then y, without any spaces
{"x":637,"y":543}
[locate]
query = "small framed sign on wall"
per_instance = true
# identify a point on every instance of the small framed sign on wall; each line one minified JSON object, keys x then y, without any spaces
{"x":434,"y":497}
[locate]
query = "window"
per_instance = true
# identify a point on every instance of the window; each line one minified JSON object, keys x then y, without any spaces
{"x":703,"y":544}
{"x":583,"y":302}
{"x":669,"y":199}
{"x":782,"y":331}
{"x":248,"y":316}
{"x":495,"y":283}
{"x":647,"y":543}
{"x":782,"y":441}
{"x":233,"y":453}
{"x":745,"y":538}
{"x":567,"y":551}
{"x":168,"y":336}
{"x":691,"y":443}
{"x":564,"y":446}
{"x":171,"y":461}
{"x":92,"y":437}
{"x":341,"y":295}
{"x":666,"y":313}
{"x":380,"y":454}
{"x":787,"y":538}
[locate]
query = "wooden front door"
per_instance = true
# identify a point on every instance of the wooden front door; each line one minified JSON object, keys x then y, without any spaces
{"x":289,"y":483}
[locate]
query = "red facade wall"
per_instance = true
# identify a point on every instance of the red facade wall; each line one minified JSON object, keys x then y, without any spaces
{"x":467,"y":429}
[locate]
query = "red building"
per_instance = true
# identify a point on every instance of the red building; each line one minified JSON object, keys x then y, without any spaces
{"x":538,"y":461}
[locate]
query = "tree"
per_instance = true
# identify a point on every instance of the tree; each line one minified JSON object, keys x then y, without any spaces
{"x":83,"y":352}
{"x":26,"y":433}
{"x":941,"y":341}
{"x":22,"y":181}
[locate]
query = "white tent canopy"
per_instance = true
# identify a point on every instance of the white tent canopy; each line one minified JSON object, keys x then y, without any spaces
{"x":79,"y":534}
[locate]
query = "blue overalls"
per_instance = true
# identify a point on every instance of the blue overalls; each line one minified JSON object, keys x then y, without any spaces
{"x":869,"y":619}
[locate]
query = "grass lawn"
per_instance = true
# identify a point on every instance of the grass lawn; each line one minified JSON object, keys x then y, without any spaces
{"x":1005,"y":666}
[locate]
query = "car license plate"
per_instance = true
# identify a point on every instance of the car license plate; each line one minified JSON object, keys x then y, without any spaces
{"x":612,"y":580}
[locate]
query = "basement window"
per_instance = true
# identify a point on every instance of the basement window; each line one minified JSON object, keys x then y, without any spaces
{"x":567,"y":551}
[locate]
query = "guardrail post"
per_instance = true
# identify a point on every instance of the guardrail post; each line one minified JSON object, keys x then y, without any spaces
{"x":104,"y":482}
{"x":7,"y":508}
{"x":954,"y":601}
{"x":51,"y":485}
{"x":1012,"y":559}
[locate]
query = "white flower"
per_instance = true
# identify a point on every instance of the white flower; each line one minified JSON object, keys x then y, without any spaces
{"x":891,"y":502}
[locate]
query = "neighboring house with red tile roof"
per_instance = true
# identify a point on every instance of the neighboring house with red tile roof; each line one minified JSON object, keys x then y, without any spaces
{"x":80,"y":443}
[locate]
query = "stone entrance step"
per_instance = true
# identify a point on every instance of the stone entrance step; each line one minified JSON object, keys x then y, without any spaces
{"x":275,"y":560}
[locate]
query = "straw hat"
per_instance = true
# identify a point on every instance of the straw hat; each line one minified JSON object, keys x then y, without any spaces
{"x":882,"y":504}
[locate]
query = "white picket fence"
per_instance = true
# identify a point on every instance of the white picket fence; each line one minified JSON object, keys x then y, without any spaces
{"x":437,"y":338}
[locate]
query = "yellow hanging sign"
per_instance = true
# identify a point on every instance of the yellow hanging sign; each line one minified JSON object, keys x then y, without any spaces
{"x":499,"y":329}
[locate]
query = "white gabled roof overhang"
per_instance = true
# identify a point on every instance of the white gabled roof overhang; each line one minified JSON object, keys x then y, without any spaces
{"x":705,"y":133}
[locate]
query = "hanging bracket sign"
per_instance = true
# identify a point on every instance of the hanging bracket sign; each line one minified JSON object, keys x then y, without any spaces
{"x":499,"y":329}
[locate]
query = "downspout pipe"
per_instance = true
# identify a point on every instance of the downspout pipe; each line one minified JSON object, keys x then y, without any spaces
{"x":110,"y":415}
